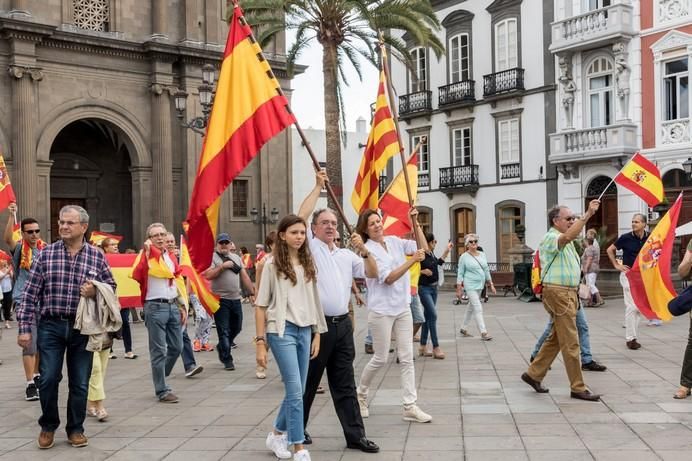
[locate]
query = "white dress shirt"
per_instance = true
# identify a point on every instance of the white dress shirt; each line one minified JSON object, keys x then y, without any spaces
{"x":391,"y":299}
{"x":162,"y":288}
{"x":335,"y":272}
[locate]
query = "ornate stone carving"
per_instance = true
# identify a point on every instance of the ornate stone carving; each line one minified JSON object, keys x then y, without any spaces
{"x":671,"y":10}
{"x":675,"y":132}
{"x":622,"y":78}
{"x":568,"y":88}
{"x":19,"y":72}
{"x":158,"y":89}
{"x":92,"y":14}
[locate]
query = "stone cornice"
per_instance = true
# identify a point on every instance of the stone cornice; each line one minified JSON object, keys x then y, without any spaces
{"x":24,"y":30}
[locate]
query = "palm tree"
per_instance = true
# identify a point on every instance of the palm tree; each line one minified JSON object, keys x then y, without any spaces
{"x":348,"y":30}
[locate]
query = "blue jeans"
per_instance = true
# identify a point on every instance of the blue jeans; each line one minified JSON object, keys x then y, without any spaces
{"x":582,"y":329}
{"x":127,"y":332}
{"x":56,"y":339}
{"x":292,"y":354}
{"x":428,"y":297}
{"x":165,"y":342}
{"x":229,"y":322}
{"x":187,"y":355}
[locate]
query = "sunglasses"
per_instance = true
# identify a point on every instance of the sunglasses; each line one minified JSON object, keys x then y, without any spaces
{"x":224,"y":242}
{"x":473,"y":241}
{"x":570,"y":218}
{"x":33,"y":231}
{"x":337,"y":240}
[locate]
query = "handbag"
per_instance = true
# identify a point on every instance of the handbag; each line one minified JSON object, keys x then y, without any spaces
{"x":584,"y":290}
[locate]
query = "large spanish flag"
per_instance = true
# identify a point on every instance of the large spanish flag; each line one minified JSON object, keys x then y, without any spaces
{"x":650,"y":282}
{"x":127,"y":288}
{"x":643,"y":178}
{"x":6,"y":191}
{"x":249,"y":109}
{"x":394,"y":202}
{"x":97,"y":237}
{"x":383,"y":143}
{"x":200,"y":286}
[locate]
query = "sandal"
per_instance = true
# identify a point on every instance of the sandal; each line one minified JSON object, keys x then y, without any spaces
{"x":438,"y":354}
{"x":102,"y":415}
{"x":423,"y":352}
{"x":465,"y":333}
{"x":130,"y":355}
{"x":682,"y":393}
{"x":91,"y":411}
{"x":486,"y":337}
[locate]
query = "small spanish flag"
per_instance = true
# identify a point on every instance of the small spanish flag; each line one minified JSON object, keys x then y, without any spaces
{"x":6,"y":191}
{"x":17,"y":232}
{"x":536,"y":285}
{"x":643,"y":178}
{"x":394,"y":202}
{"x":200,"y":286}
{"x":127,"y":289}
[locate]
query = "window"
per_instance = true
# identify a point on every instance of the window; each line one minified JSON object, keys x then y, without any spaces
{"x":92,"y":14}
{"x":509,"y":217}
{"x":508,"y":136}
{"x":676,"y":89}
{"x":459,"y":58}
{"x":423,"y":156}
{"x":425,"y":221}
{"x":506,"y":45}
{"x":596,"y":4}
{"x":419,"y":74}
{"x":461,"y":145}
{"x":599,"y":77}
{"x":241,"y":189}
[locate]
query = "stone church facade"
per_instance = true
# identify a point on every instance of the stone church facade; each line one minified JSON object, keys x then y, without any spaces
{"x":89,"y":114}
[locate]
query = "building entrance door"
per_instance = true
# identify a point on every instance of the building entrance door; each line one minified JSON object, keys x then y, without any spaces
{"x":605,"y":221}
{"x":464,"y":223}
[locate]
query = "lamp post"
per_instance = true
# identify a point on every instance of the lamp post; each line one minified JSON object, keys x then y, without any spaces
{"x":687,"y":166}
{"x":206,"y":98}
{"x":263,"y":219}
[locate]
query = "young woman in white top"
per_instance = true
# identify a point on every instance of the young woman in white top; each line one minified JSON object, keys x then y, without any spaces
{"x":389,"y":296}
{"x":290,"y":313}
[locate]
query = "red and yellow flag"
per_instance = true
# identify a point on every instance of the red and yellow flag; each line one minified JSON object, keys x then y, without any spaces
{"x":17,"y":232}
{"x":97,"y":237}
{"x":200,"y":286}
{"x":127,"y":289}
{"x":650,"y":282}
{"x":394,"y":203}
{"x":6,"y":191}
{"x":383,"y":143}
{"x":249,"y":109}
{"x":643,"y":178}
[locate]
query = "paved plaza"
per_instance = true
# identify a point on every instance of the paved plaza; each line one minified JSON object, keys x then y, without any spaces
{"x":481,"y":409}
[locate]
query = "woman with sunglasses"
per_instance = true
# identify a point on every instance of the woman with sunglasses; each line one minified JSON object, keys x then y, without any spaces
{"x":427,"y":291}
{"x":473,"y":274}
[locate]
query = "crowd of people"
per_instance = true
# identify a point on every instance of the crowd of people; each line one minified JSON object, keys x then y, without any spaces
{"x":300,"y":284}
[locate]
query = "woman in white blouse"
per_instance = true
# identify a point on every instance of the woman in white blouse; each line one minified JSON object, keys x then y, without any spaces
{"x":290,"y":313}
{"x":389,"y":296}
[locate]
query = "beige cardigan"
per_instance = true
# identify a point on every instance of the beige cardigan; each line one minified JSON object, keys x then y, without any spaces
{"x":98,"y":316}
{"x":273,"y":295}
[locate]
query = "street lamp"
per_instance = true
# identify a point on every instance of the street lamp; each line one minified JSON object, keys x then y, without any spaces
{"x":687,"y":166}
{"x":206,"y":97}
{"x":273,"y":217}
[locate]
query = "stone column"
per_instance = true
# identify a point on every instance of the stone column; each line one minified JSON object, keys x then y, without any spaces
{"x":158,"y":20}
{"x":24,"y":158}
{"x":142,"y":214}
{"x":162,"y":154}
{"x":18,"y":9}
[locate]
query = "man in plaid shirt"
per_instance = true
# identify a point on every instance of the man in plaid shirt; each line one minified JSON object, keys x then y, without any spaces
{"x":62,"y":273}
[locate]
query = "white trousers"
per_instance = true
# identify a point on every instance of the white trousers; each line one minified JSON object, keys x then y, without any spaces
{"x":591,"y":282}
{"x":475,"y":310}
{"x":632,"y":314}
{"x":382,"y":327}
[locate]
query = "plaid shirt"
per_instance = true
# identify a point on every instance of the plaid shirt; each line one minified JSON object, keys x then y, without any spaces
{"x":55,"y":280}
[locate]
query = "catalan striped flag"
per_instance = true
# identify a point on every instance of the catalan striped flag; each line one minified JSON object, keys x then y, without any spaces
{"x":200,"y":286}
{"x":643,"y":178}
{"x":394,"y":203}
{"x":249,"y":109}
{"x":127,"y":289}
{"x":650,"y":282}
{"x":383,"y":144}
{"x":6,"y":191}
{"x":97,"y":237}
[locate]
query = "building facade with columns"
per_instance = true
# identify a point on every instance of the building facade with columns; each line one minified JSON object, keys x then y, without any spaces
{"x":90,"y":117}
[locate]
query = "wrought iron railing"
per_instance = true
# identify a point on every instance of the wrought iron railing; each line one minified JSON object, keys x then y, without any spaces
{"x":510,"y":170}
{"x":457,"y":92}
{"x":424,"y":180}
{"x":458,"y":176}
{"x":383,"y":183}
{"x":420,"y":101}
{"x":504,"y":81}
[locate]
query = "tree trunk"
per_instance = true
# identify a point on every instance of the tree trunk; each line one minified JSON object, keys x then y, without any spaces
{"x":331,"y":123}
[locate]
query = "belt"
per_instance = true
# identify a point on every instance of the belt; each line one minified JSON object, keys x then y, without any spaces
{"x":163,"y":300}
{"x":64,"y":317}
{"x":336,"y":319}
{"x":559,"y":287}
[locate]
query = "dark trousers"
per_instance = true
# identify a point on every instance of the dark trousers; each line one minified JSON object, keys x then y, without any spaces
{"x":127,"y":332}
{"x":7,"y":305}
{"x":686,"y":374}
{"x":187,"y":354}
{"x":56,"y":340}
{"x":336,"y":355}
{"x":229,"y":322}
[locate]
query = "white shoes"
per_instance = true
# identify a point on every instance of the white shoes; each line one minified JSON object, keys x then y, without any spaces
{"x":279,"y":445}
{"x":363,"y":404}
{"x":301,"y":455}
{"x":416,"y":415}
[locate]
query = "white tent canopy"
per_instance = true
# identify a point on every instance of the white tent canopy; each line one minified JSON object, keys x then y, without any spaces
{"x":685,"y":229}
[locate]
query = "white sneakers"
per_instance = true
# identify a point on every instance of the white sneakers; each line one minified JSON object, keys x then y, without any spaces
{"x":301,"y":455}
{"x":363,"y":404}
{"x":279,"y":445}
{"x":416,"y":415}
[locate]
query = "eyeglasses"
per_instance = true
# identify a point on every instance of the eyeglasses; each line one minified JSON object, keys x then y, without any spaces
{"x":473,"y":241}
{"x":224,"y":242}
{"x":569,"y":218}
{"x":32,"y":231}
{"x":68,"y":223}
{"x":327,"y":223}
{"x":159,"y":235}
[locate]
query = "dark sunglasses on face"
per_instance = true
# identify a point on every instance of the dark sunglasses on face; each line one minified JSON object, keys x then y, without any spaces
{"x":33,"y":231}
{"x":224,"y":242}
{"x":473,"y":241}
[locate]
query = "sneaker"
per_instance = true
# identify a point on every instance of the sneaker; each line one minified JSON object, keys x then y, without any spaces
{"x":593,"y":366}
{"x":78,"y":440}
{"x":260,"y":373}
{"x":363,"y":404}
{"x":196,"y":345}
{"x":229,"y":366}
{"x":169,"y":398}
{"x":207,"y":347}
{"x":279,"y":445}
{"x":197,"y":369}
{"x":301,"y":455}
{"x":46,"y":440}
{"x":416,"y":415}
{"x":31,"y":392}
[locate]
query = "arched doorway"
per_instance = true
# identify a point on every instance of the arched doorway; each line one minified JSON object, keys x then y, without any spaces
{"x":674,"y":182}
{"x":91,"y":168}
{"x":605,"y":221}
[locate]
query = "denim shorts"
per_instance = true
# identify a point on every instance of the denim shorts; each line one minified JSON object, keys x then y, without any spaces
{"x":416,"y":310}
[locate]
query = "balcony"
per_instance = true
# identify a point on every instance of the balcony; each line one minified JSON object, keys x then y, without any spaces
{"x":591,"y":144}
{"x":502,"y":82}
{"x":510,"y":171}
{"x":423,"y":180}
{"x":418,"y":103}
{"x":459,"y":178}
{"x":456,"y":94}
{"x":593,"y":29}
{"x":383,"y":183}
